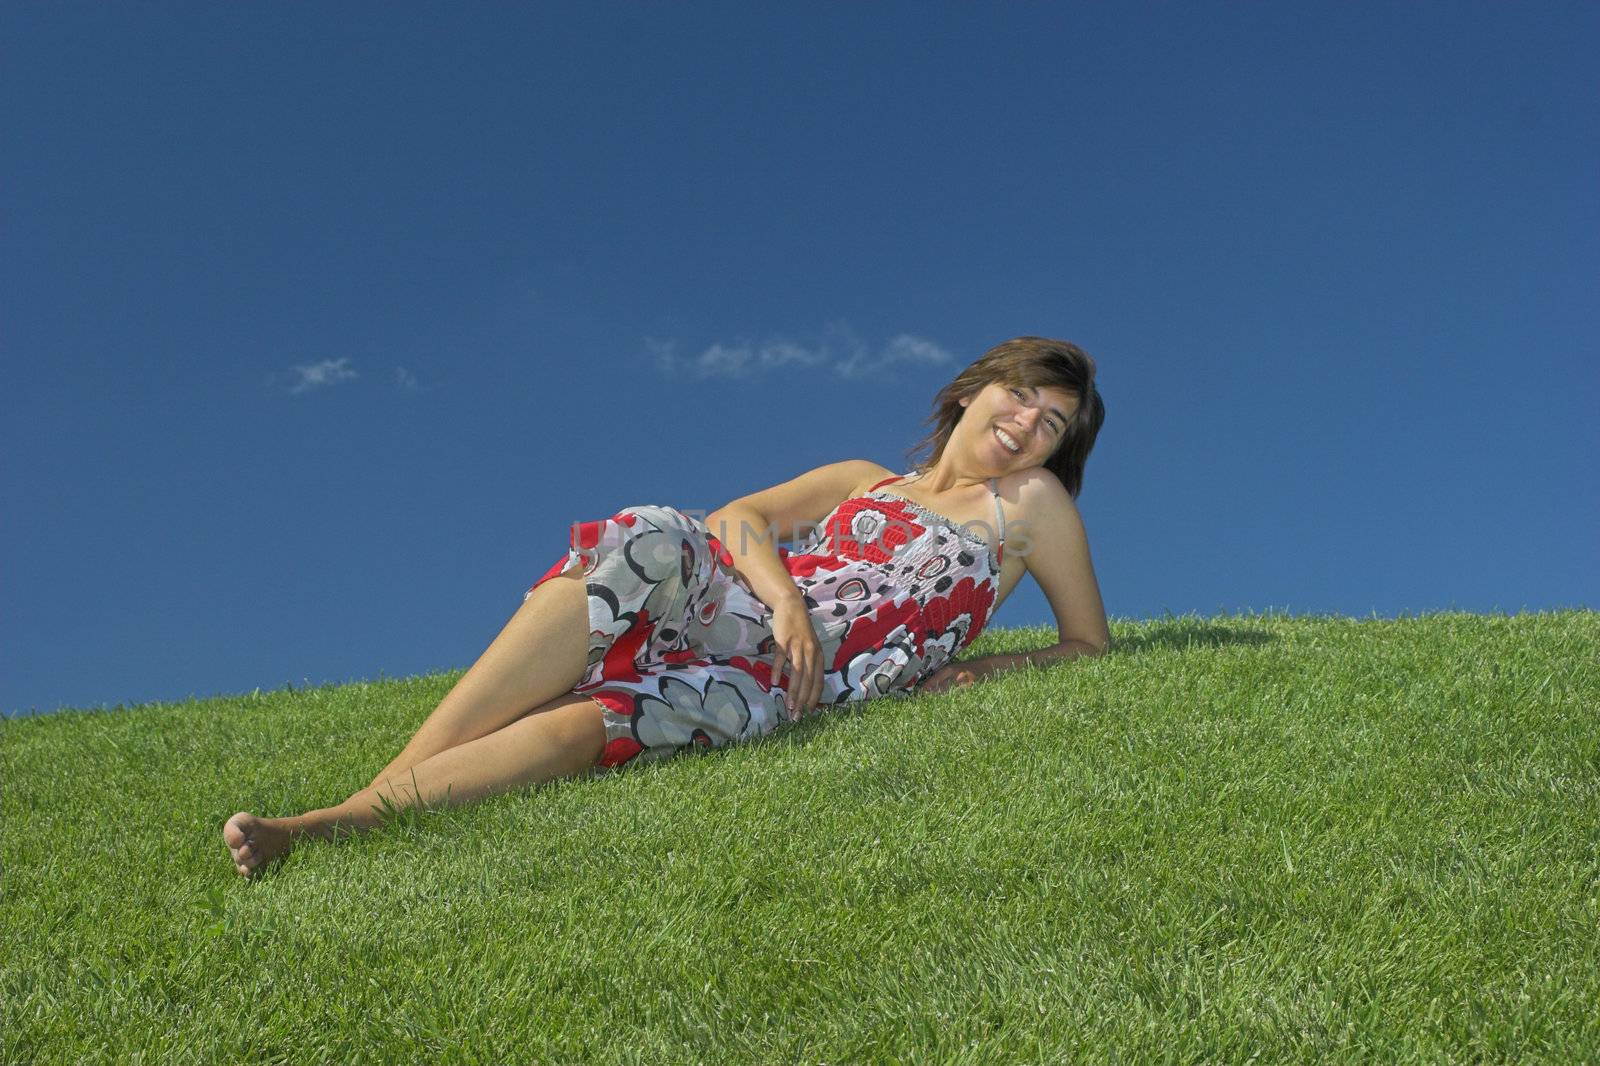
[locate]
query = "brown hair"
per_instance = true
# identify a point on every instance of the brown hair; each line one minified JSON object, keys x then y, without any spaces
{"x":1035,"y":362}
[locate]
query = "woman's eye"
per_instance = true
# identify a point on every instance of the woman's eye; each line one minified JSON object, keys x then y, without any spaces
{"x":1017,"y":393}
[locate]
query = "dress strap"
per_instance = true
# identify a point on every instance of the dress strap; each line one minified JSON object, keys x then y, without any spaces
{"x":999,"y":522}
{"x":885,"y":481}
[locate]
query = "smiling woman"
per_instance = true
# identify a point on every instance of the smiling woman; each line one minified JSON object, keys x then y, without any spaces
{"x":1054,"y":378}
{"x":658,"y":632}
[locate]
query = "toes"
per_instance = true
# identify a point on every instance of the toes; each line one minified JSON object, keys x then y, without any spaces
{"x":233,"y":833}
{"x":238,"y":834}
{"x":253,"y":842}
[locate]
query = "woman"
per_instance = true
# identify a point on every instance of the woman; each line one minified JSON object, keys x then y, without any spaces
{"x":657,"y":631}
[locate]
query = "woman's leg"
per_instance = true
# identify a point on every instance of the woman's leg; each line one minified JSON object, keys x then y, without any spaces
{"x":562,"y":738}
{"x":541,"y":653}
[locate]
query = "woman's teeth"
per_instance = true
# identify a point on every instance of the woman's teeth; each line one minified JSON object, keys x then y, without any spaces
{"x":1010,"y":445}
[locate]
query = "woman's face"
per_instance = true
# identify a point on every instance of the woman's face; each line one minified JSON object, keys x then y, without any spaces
{"x":1015,"y":427}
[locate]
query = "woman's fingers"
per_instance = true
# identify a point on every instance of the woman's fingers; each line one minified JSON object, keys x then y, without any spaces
{"x":814,"y":680}
{"x":791,"y":685}
{"x":777,"y":666}
{"x":946,"y":678}
{"x":800,"y":680}
{"x":804,"y":684}
{"x":797,"y":666}
{"x":817,"y":672}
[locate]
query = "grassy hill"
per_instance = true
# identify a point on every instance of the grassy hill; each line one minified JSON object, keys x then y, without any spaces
{"x":1290,"y":837}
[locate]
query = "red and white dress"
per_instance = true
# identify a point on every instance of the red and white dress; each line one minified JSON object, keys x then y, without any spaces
{"x":680,"y":648}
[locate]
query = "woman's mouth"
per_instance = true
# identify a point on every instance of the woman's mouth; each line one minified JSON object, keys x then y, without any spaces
{"x":1007,"y":441}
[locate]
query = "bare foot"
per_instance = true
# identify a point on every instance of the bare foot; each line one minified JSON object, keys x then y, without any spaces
{"x":254,"y":842}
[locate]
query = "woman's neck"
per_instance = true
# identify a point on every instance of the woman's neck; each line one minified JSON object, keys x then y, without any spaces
{"x":946,"y":476}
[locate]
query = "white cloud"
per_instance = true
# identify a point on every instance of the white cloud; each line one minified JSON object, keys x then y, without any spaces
{"x":724,"y":359}
{"x":785,"y":353}
{"x":405,"y":379}
{"x":903,"y":349}
{"x":317,"y":375}
{"x":841,"y":352}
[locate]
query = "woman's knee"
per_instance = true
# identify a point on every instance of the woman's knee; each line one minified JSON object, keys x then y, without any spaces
{"x":577,"y":724}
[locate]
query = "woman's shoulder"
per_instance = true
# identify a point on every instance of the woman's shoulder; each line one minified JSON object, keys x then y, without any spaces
{"x":867,"y":474}
{"x":1034,"y":491}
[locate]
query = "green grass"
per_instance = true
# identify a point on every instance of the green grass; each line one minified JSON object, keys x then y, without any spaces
{"x":1297,"y":838}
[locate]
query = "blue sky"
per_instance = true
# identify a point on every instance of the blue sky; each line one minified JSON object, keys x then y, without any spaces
{"x":320,"y":324}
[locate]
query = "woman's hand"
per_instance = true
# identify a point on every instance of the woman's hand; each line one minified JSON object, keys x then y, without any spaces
{"x":796,"y":645}
{"x":955,"y":675}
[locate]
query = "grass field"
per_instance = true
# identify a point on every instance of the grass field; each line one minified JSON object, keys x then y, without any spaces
{"x":1288,"y":838}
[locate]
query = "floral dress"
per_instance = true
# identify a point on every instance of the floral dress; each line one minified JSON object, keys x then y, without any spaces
{"x":681,"y":648}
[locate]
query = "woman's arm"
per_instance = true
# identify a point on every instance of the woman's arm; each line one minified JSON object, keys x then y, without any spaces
{"x":748,"y":537}
{"x":1057,"y":555}
{"x":750,"y":528}
{"x":985,"y":665}
{"x":1058,"y":558}
{"x":963,"y":673}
